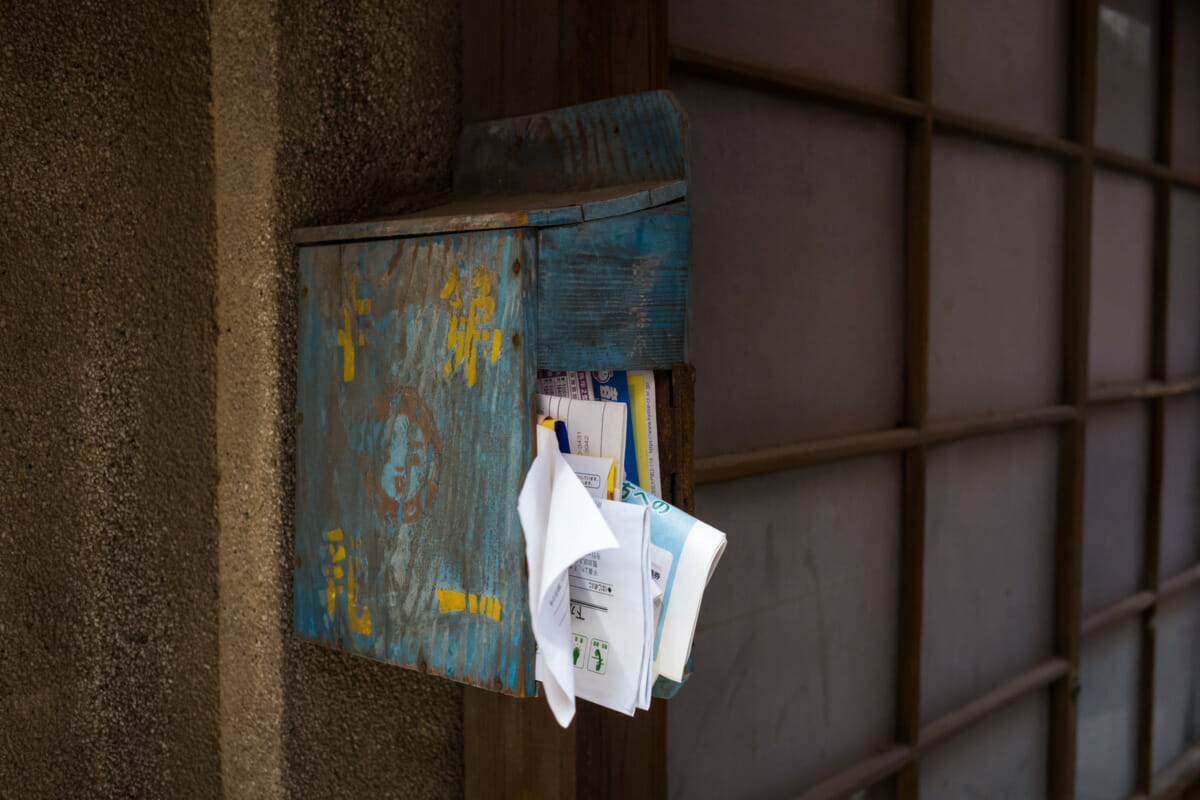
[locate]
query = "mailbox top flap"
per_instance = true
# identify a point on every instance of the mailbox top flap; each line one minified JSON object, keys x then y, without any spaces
{"x":619,"y":140}
{"x":559,"y":167}
{"x":506,"y":211}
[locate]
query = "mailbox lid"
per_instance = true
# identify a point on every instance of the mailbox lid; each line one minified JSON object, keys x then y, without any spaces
{"x":415,"y":372}
{"x":565,"y":166}
{"x":507,"y":211}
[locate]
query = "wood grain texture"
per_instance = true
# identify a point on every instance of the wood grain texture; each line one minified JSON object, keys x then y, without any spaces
{"x":1179,"y":581}
{"x":675,"y":402}
{"x":521,"y":56}
{"x":912,"y":575}
{"x":1081,"y":116}
{"x":1142,"y":390}
{"x":668,"y":450}
{"x":621,"y":756}
{"x":1178,"y":779}
{"x":960,"y":718}
{"x":918,"y":198}
{"x":683,"y":420}
{"x":512,"y":747}
{"x":613,"y":294}
{"x":711,"y":469}
{"x":413,"y":356}
{"x":1152,"y":551}
{"x":1136,"y":603}
{"x":862,"y":774}
{"x":629,"y":139}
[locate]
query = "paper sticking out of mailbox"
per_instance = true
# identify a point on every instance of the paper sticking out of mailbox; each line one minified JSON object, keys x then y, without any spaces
{"x":612,"y":615}
{"x":561,"y":525}
{"x":683,"y":556}
{"x":593,"y":614}
{"x":594,"y":427}
{"x":634,"y":388}
{"x":629,"y":608}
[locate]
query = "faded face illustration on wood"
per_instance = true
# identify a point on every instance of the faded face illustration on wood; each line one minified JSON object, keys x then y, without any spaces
{"x":408,"y":478}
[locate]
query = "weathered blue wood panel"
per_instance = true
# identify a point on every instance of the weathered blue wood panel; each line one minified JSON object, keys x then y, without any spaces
{"x":613,"y":294}
{"x":639,"y":137}
{"x":414,"y":389}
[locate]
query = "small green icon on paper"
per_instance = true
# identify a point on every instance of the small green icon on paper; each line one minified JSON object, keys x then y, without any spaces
{"x":580,"y":646}
{"x":598,"y":657}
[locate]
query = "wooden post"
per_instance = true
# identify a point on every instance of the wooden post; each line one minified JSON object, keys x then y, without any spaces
{"x":522,"y":56}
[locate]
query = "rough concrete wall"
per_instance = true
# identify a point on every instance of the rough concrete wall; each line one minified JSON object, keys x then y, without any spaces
{"x":251,"y":419}
{"x":108,"y":624}
{"x":145,"y":508}
{"x":360,"y":118}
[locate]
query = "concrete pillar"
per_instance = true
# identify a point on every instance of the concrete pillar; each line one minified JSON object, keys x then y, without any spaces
{"x":154,"y":157}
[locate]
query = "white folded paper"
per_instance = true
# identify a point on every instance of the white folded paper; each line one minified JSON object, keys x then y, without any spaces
{"x":612,"y":615}
{"x":562,"y":525}
{"x":597,"y":474}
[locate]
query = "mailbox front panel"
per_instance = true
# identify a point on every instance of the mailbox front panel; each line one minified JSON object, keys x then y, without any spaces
{"x":415,"y":378}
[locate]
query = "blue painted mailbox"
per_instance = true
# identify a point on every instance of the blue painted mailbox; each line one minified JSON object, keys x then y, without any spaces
{"x":420,"y":339}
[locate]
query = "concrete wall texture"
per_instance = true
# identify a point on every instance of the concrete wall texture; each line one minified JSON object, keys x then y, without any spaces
{"x":153,"y":158}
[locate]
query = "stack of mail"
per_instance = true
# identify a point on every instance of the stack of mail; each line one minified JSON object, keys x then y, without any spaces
{"x":590,"y":598}
{"x":632,"y":388}
{"x":683,"y":555}
{"x":615,"y":587}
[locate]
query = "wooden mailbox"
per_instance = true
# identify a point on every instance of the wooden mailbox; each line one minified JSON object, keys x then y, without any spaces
{"x":420,"y":338}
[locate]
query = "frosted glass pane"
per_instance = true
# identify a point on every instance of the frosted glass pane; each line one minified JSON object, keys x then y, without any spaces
{"x":996,"y":255}
{"x":1001,"y":756}
{"x":1106,"y":734}
{"x":1127,"y":76}
{"x":795,"y":653}
{"x":989,"y":564}
{"x":1183,"y":301}
{"x":1003,"y":59}
{"x":1176,"y":677}
{"x":1181,"y":486}
{"x":797,"y":268}
{"x":1114,"y":511}
{"x":1122,"y":279}
{"x":1187,"y":87}
{"x":860,"y":42}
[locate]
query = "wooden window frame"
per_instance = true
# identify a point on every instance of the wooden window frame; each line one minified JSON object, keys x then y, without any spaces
{"x":1080,"y":156}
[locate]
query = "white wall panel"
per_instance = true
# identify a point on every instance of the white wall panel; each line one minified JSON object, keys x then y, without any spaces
{"x":858,"y":42}
{"x":1002,"y":59}
{"x":1183,"y":301}
{"x":1181,"y":486}
{"x":1114,"y":503}
{"x":1177,"y":677}
{"x":1106,"y":730}
{"x":1122,"y":279}
{"x":797,"y":269}
{"x":996,"y":254}
{"x":1001,"y":757}
{"x":1127,"y":76}
{"x":795,"y":655}
{"x":989,"y":564}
